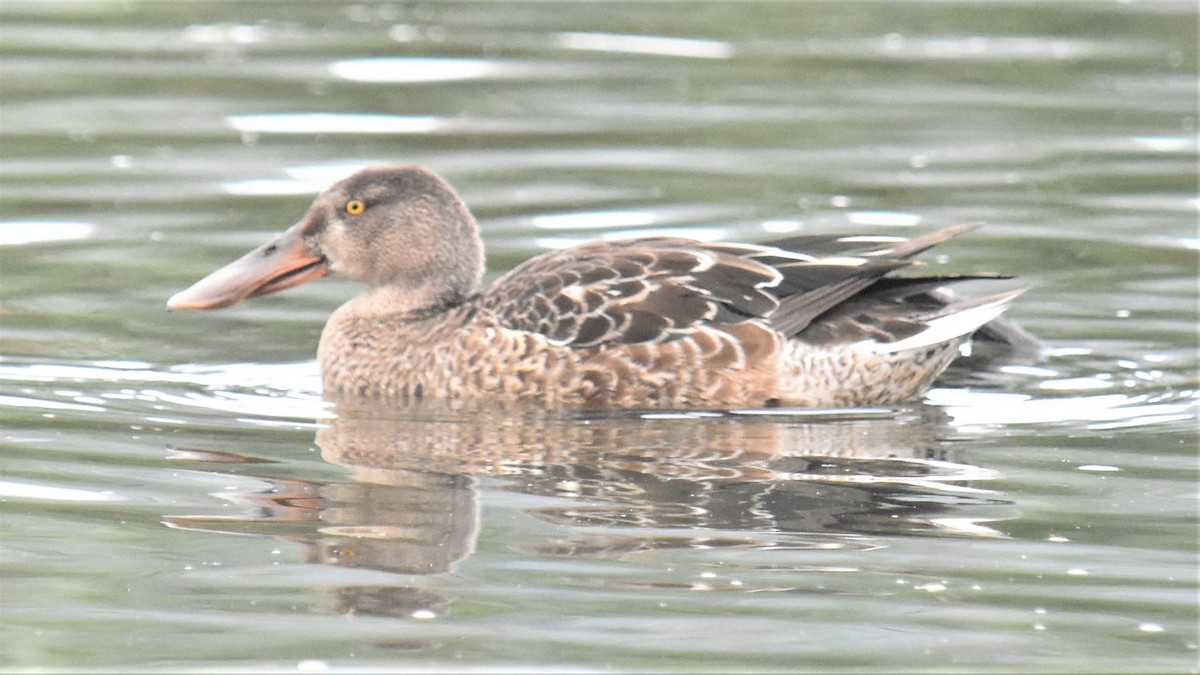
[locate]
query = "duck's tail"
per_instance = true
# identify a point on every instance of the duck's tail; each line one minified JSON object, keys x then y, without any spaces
{"x":954,"y":321}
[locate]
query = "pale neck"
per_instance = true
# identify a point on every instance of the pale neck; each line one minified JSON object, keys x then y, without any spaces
{"x":428,"y":298}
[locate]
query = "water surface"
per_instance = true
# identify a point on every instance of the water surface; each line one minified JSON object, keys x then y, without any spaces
{"x":178,"y":495}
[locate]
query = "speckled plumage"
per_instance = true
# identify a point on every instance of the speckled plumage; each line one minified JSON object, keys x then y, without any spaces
{"x":814,"y":321}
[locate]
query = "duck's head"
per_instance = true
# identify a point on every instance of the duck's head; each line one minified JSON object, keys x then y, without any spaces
{"x":402,"y":229}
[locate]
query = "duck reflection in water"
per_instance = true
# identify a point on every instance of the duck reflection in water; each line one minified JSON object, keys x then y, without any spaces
{"x":633,"y":483}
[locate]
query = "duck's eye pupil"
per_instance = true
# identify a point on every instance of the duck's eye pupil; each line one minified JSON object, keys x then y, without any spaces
{"x":355,"y":207}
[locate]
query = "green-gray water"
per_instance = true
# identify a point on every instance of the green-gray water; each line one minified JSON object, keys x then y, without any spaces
{"x":176,"y":495}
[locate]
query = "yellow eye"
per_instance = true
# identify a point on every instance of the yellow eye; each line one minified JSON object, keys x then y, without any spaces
{"x":355,"y":207}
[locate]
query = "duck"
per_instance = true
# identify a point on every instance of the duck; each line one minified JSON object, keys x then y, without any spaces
{"x":810,"y":321}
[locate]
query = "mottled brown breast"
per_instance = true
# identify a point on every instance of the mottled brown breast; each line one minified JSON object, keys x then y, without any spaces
{"x":469,"y":356}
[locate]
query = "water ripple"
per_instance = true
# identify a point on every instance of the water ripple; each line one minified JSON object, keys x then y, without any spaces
{"x":260,"y":394}
{"x":22,"y":232}
{"x":335,"y":123}
{"x":646,"y":44}
{"x":1104,"y":411}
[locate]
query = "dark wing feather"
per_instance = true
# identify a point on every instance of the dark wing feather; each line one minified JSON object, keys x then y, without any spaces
{"x":840,"y":277}
{"x":892,"y":309}
{"x":798,"y":310}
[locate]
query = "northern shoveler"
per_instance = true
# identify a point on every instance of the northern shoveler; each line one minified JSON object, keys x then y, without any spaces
{"x":658,"y":322}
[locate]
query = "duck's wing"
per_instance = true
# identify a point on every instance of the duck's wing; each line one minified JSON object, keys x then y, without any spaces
{"x":634,"y":291}
{"x":661,"y":289}
{"x":846,"y":266}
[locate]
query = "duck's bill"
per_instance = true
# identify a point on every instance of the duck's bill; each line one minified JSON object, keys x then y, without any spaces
{"x":277,"y":265}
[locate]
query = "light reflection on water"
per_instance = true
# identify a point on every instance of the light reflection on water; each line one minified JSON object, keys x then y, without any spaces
{"x":177,"y":493}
